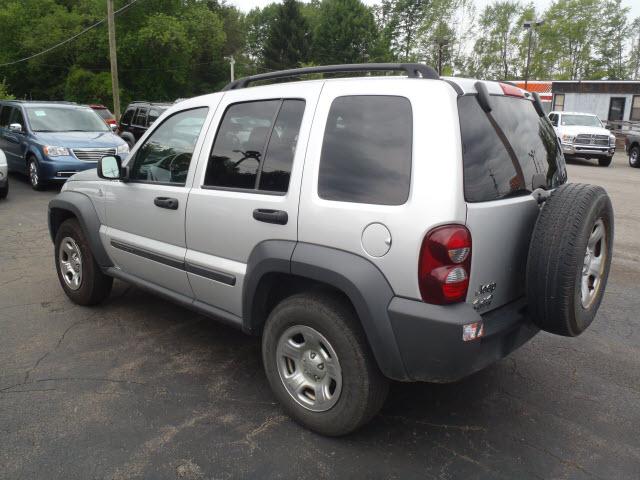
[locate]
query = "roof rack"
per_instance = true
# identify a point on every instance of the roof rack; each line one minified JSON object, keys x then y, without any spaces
{"x":413,"y":70}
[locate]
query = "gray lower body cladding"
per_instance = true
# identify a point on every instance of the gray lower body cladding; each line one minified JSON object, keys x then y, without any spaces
{"x":429,"y":337}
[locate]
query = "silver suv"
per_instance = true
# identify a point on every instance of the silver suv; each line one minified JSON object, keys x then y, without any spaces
{"x":411,"y":228}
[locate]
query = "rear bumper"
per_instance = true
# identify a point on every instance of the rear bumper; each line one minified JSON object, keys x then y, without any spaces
{"x":429,"y":337}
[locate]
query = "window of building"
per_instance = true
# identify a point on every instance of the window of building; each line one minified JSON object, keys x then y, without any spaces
{"x":635,"y":109}
{"x":255,"y":146}
{"x":558,"y":102}
{"x":366,"y":151}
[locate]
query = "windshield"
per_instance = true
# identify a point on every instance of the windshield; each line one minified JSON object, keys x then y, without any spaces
{"x":581,"y":120}
{"x":65,"y":119}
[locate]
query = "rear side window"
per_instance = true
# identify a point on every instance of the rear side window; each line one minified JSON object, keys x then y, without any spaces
{"x":509,"y":151}
{"x":366,"y":152}
{"x":140,"y":118}
{"x":255,"y":146}
{"x":5,"y":114}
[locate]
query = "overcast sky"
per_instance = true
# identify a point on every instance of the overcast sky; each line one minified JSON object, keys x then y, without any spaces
{"x":247,"y":5}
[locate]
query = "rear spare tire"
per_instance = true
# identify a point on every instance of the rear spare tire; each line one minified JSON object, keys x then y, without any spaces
{"x":569,"y":258}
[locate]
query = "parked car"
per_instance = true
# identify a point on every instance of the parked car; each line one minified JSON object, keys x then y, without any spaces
{"x":137,"y":118}
{"x":632,"y":147}
{"x":583,"y":135}
{"x":4,"y":177}
{"x":318,"y":215}
{"x":51,"y":141}
{"x":105,"y":114}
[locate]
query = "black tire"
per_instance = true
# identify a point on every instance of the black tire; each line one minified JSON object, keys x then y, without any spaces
{"x":364,"y":388}
{"x":605,"y":161}
{"x":95,"y":286}
{"x":557,"y":254}
{"x":35,"y":182}
{"x":634,"y":156}
{"x":4,"y":190}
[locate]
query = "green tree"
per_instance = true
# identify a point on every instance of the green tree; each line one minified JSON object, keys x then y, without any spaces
{"x":346,"y":33}
{"x":612,"y":35}
{"x":497,"y":46}
{"x":4,"y":91}
{"x":287,"y":42}
{"x":634,"y":54}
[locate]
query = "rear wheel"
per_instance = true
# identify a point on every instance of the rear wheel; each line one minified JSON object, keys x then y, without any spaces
{"x":319,"y":364}
{"x":569,"y":258}
{"x":605,"y":161}
{"x":634,"y":156}
{"x":79,"y":274}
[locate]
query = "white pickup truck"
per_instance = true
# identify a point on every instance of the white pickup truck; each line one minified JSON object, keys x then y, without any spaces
{"x":583,"y":135}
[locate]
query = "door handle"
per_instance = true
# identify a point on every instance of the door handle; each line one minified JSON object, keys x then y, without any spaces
{"x":278,"y":217}
{"x":166,"y":202}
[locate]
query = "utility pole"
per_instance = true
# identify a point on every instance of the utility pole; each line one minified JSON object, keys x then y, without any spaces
{"x":232,"y":63}
{"x":113,"y":56}
{"x":529,"y":25}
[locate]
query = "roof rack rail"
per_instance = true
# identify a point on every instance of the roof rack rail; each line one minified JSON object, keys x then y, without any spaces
{"x":413,"y":70}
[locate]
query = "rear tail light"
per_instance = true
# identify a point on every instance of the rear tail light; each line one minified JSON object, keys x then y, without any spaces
{"x":445,"y":265}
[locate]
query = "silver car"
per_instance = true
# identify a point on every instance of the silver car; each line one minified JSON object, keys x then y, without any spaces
{"x":408,"y":228}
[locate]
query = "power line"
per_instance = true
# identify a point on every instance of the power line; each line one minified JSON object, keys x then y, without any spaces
{"x":70,"y":39}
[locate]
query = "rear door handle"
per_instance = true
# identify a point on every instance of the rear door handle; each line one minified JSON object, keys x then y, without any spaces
{"x":166,"y":202}
{"x":278,"y":217}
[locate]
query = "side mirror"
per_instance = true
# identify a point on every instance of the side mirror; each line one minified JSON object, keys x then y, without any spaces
{"x":15,"y":127}
{"x":110,"y":168}
{"x":113,"y":127}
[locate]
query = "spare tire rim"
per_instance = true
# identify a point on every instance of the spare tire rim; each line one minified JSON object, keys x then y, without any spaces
{"x":309,"y":368}
{"x":593,"y":264}
{"x":70,"y":260}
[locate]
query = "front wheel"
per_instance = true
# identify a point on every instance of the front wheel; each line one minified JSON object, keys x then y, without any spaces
{"x":34,"y":175}
{"x":319,"y":364}
{"x":634,"y":157}
{"x":4,"y":190}
{"x":79,"y":274}
{"x":605,"y":161}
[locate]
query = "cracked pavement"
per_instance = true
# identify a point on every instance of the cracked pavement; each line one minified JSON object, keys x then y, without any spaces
{"x":142,"y":388}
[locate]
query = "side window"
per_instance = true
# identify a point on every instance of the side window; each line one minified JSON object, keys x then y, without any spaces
{"x":255,"y":146}
{"x":166,"y":155}
{"x":366,"y":152}
{"x":5,"y":114}
{"x":554,"y":119}
{"x":128,"y":115}
{"x":17,"y":117}
{"x":140,"y":120}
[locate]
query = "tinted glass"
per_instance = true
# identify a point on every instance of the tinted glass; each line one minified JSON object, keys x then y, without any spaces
{"x":128,"y":115}
{"x":166,"y":155}
{"x":17,"y":117}
{"x":276,"y":168}
{"x":528,"y":155}
{"x":65,"y":119}
{"x":5,"y":114}
{"x":366,"y":152}
{"x":153,"y":116}
{"x":141,"y":117}
{"x":240,"y":144}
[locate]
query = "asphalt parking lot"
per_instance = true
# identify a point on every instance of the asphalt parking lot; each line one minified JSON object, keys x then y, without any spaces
{"x":141,"y":388}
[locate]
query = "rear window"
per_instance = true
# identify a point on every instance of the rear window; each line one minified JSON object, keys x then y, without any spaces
{"x":509,"y":151}
{"x":366,"y":152}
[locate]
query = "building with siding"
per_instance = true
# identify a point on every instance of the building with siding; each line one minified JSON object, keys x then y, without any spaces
{"x":612,"y":100}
